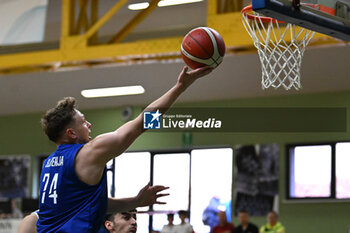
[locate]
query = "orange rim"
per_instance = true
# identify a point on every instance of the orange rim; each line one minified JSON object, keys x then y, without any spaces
{"x":248,"y":10}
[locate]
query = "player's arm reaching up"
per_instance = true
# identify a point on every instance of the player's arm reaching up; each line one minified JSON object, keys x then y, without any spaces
{"x":91,"y":159}
{"x":148,"y":195}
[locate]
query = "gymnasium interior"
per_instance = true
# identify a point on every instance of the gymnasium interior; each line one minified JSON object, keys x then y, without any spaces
{"x":51,"y":49}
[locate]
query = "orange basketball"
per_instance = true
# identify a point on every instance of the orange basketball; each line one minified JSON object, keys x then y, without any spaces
{"x":203,"y":46}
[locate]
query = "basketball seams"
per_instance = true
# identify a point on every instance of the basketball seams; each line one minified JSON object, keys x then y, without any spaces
{"x":210,"y":61}
{"x":190,"y":55}
{"x":216,"y":53}
{"x":199,"y":44}
{"x":203,"y":46}
{"x":196,"y":59}
{"x":219,"y":41}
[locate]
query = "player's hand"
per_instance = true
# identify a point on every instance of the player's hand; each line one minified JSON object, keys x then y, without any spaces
{"x":149,"y":195}
{"x":186,"y":78}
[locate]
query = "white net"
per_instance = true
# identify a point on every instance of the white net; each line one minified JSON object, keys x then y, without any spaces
{"x":280,"y":48}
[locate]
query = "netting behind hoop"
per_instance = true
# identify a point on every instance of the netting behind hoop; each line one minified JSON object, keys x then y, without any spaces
{"x":280,"y":58}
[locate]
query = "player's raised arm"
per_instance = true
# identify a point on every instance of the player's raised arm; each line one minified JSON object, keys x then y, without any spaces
{"x":91,"y":159}
{"x":148,"y":195}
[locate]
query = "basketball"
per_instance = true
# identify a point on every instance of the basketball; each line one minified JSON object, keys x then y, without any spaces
{"x":203,"y":46}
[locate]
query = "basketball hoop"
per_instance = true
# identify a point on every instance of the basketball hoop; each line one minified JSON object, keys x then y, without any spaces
{"x":280,"y":48}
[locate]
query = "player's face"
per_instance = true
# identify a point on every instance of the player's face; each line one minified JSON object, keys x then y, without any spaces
{"x":182,"y":217}
{"x":170,"y":219}
{"x":222,"y":217}
{"x":243,"y":218}
{"x":272,"y":218}
{"x":82,"y":128}
{"x":124,"y":223}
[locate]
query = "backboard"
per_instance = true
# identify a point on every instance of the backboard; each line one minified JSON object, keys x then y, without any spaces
{"x":330,"y":17}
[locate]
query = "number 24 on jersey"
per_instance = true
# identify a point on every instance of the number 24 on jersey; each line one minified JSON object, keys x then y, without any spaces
{"x":53,"y":187}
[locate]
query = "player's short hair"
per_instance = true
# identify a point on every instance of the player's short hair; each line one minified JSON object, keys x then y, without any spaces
{"x":243,"y":211}
{"x":171,"y":215}
{"x":184,"y":213}
{"x":274,"y":213}
{"x":110,"y":216}
{"x":56,"y":119}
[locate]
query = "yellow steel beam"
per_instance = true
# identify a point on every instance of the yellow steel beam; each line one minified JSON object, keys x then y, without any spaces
{"x":74,"y":49}
{"x":238,"y":5}
{"x":232,"y":5}
{"x":79,"y":41}
{"x":68,"y":9}
{"x":29,"y":59}
{"x":93,"y":20}
{"x":230,"y":26}
{"x":104,"y":18}
{"x":82,"y":18}
{"x":146,"y":47}
{"x":134,"y":22}
{"x":228,"y":6}
{"x":219,"y":6}
{"x":213,"y":7}
{"x":94,"y":11}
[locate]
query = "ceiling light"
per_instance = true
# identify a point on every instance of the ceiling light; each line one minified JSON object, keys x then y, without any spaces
{"x":113,"y":91}
{"x":144,"y":5}
{"x":138,"y":6}
{"x":176,"y":2}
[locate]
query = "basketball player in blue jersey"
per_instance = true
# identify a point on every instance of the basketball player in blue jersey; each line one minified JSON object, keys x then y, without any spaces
{"x":73,"y":188}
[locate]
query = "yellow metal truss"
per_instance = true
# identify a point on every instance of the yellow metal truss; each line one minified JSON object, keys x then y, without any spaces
{"x":78,"y":47}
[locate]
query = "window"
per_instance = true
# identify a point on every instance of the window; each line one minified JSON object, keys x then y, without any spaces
{"x":342,"y":170}
{"x":211,"y":178}
{"x":131,"y":172}
{"x":194,"y":177}
{"x":24,"y":24}
{"x":310,"y":174}
{"x":173,"y":170}
{"x":318,"y":171}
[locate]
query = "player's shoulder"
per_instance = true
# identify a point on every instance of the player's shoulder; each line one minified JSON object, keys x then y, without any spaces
{"x":189,"y":228}
{"x":64,"y":149}
{"x":280,"y":227}
{"x":251,"y":225}
{"x":263,"y":227}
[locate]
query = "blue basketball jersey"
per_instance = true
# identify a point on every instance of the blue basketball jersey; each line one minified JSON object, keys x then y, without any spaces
{"x":67,"y":204}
